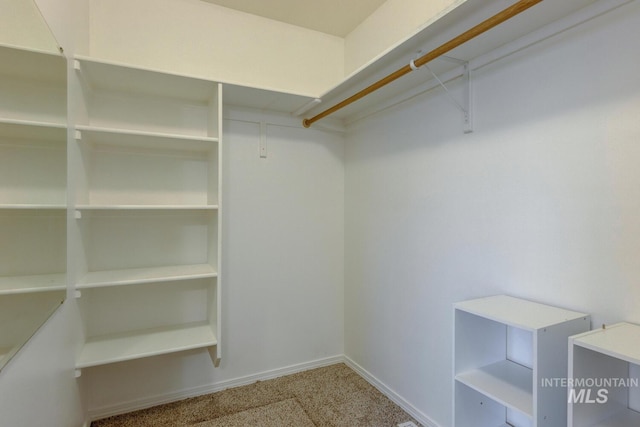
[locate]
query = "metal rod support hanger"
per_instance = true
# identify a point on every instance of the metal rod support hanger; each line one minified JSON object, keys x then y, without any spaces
{"x":484,"y":26}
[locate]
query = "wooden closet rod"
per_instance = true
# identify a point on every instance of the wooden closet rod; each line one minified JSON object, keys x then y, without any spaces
{"x":484,"y":26}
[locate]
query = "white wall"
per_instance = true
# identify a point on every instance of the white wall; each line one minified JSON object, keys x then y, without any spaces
{"x":542,"y":201}
{"x":283,"y":259}
{"x":198,"y":38}
{"x":69,"y":23}
{"x":392,"y":23}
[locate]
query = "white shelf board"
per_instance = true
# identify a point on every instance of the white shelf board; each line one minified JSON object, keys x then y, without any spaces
{"x":33,"y":64}
{"x":264,"y":99}
{"x":113,"y":348}
{"x":134,"y":276}
{"x":33,"y":207}
{"x":146,"y":207}
{"x":141,"y":139}
{"x":29,"y":284}
{"x":120,"y":77}
{"x":619,"y":341}
{"x":109,"y":75}
{"x":517,"y":312}
{"x":33,"y":130}
{"x":506,"y":382}
{"x":626,"y":418}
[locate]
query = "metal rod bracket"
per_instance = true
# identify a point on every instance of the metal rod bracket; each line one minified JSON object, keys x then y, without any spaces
{"x":467,"y":115}
{"x":466,"y":106}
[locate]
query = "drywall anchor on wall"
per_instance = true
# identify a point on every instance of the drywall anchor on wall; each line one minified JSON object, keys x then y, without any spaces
{"x":263,"y":140}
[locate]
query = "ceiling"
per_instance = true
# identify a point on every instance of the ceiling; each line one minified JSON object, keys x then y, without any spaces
{"x":336,"y":17}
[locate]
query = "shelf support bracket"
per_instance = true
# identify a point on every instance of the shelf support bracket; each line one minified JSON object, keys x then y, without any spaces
{"x":467,"y":117}
{"x":466,"y":106}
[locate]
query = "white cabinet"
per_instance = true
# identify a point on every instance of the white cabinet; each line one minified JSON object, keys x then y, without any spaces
{"x":33,"y":192}
{"x":504,"y":347}
{"x":146,"y":172}
{"x":604,"y":369}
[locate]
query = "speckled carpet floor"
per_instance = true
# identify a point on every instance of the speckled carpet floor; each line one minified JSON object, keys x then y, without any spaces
{"x":333,"y":396}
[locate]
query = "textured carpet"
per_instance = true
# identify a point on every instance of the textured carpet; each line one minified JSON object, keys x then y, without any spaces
{"x":287,"y":413}
{"x":333,"y":396}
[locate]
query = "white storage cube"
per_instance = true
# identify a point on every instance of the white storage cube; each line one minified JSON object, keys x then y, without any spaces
{"x":504,"y":348}
{"x":604,"y":367}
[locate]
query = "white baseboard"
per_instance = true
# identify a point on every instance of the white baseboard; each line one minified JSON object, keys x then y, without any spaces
{"x":135,"y":405}
{"x":395,"y":397}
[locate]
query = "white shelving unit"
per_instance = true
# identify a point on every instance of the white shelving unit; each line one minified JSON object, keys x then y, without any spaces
{"x":33,"y":192}
{"x":146,"y":168}
{"x":611,"y":354}
{"x":504,"y":348}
